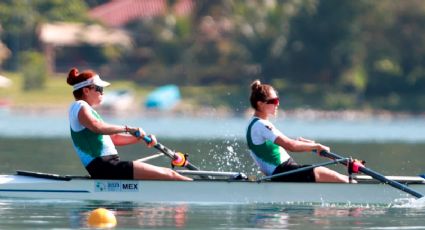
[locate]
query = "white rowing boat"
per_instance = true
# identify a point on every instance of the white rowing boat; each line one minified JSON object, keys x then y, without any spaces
{"x":234,"y":188}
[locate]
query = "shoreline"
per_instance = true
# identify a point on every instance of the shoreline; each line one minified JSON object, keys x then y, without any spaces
{"x":351,"y":115}
{"x":223,"y":112}
{"x":352,"y":126}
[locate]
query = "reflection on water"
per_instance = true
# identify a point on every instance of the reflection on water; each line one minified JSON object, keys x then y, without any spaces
{"x":29,"y":214}
{"x":265,"y":219}
{"x":162,"y":216}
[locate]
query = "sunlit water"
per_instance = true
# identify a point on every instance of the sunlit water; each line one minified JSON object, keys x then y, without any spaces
{"x":24,"y":214}
{"x":41,"y":143}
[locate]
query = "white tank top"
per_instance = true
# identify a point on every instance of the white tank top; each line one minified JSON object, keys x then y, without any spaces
{"x":88,"y":144}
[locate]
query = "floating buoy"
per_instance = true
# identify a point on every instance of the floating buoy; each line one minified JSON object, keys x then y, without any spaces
{"x":101,"y":218}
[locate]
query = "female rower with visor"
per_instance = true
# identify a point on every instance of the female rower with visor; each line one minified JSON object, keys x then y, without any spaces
{"x":94,"y":140}
{"x":268,"y":145}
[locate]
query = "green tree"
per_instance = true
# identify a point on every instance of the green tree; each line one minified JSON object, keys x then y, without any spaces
{"x":20,"y":19}
{"x":33,"y":70}
{"x":324,"y":41}
{"x":396,"y":47}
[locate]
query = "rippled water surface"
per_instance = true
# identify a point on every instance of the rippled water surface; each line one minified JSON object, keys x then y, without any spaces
{"x":41,"y":143}
{"x":25,"y":214}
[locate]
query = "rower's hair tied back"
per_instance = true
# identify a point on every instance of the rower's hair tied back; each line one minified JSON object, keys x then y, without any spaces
{"x":256,"y":85}
{"x":72,"y":76}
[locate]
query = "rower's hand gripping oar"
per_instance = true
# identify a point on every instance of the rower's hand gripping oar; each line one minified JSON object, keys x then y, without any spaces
{"x":373,"y":174}
{"x":178,"y":159}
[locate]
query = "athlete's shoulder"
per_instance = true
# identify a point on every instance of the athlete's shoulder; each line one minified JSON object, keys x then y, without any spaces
{"x":265,"y":123}
{"x":78,"y":103}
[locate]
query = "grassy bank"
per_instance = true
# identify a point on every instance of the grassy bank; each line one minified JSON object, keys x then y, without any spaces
{"x":57,"y":93}
{"x":218,"y":98}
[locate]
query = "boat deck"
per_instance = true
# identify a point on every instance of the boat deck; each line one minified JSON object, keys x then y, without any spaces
{"x":225,"y":176}
{"x":220,"y":187}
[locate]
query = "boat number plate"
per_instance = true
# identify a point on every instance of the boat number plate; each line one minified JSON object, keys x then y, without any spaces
{"x":116,"y":186}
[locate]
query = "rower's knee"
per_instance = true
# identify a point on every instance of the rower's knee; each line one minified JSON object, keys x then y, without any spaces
{"x":177,"y":176}
{"x":323,"y":174}
{"x":171,"y":173}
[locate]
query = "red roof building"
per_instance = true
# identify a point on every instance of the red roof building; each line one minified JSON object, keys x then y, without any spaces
{"x":120,"y":12}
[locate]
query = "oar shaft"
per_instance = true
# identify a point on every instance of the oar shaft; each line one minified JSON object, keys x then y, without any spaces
{"x":393,"y":183}
{"x":377,"y":176}
{"x":150,"y":157}
{"x":171,"y":154}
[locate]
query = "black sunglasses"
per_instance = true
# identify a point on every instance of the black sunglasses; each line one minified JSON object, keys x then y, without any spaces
{"x":97,"y":88}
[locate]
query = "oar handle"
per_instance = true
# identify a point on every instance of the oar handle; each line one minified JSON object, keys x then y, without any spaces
{"x":147,"y":139}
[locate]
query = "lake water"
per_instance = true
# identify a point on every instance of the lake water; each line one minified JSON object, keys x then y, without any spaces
{"x":177,"y":127}
{"x":65,"y":215}
{"x":41,"y":143}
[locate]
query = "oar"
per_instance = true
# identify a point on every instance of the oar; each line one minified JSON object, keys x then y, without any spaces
{"x":170,"y":153}
{"x":144,"y":159}
{"x":375,"y":175}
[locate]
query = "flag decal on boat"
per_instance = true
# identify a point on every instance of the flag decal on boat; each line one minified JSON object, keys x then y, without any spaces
{"x":116,"y":186}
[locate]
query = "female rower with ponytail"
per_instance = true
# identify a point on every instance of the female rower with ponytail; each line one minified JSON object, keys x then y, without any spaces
{"x":268,"y":146}
{"x":94,"y":140}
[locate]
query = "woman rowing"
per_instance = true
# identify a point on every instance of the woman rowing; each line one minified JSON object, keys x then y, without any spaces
{"x":94,"y":140}
{"x":268,"y":145}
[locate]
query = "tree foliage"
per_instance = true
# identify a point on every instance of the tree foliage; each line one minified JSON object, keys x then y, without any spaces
{"x":338,"y":53}
{"x":33,"y":70}
{"x":20,"y":21}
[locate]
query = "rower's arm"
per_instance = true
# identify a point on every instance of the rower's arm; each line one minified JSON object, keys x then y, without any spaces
{"x":299,"y":145}
{"x":115,"y":131}
{"x":89,"y":121}
{"x":123,"y":139}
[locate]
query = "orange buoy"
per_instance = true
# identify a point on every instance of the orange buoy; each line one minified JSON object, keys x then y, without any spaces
{"x":101,"y":218}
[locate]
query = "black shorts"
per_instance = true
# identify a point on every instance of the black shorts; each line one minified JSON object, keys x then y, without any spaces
{"x":110,"y":167}
{"x":303,"y":176}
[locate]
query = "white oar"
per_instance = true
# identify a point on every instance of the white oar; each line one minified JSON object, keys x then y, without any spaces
{"x":150,"y":157}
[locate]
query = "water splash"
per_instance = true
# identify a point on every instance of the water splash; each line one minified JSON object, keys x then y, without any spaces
{"x":409,"y":203}
{"x":229,"y":154}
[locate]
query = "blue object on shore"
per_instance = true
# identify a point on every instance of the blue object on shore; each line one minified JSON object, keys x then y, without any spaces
{"x":163,"y":98}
